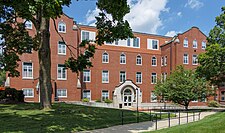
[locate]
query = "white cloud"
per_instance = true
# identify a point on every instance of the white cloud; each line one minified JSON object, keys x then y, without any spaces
{"x":194,"y":4}
{"x":179,"y":14}
{"x":144,"y":15}
{"x":172,"y":33}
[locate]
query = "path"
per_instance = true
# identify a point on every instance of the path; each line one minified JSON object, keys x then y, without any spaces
{"x":148,"y":126}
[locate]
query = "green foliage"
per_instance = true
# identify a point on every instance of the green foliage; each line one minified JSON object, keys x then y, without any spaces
{"x":2,"y":77}
{"x":85,"y":100}
{"x":98,"y":101}
{"x":12,"y":95}
{"x":213,"y":60}
{"x":182,"y":86}
{"x":213,"y":104}
{"x":108,"y":101}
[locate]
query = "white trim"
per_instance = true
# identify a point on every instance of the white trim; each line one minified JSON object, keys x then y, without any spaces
{"x":125,"y":76}
{"x":150,"y":46}
{"x":28,"y":89}
{"x":61,"y":96}
{"x":104,"y":82}
{"x":193,"y":59}
{"x":83,"y":94}
{"x":90,"y":75}
{"x":187,"y":42}
{"x":61,"y":75}
{"x":155,"y":60}
{"x":102,"y":93}
{"x":125,"y":58}
{"x":23,"y":71}
{"x":28,"y":21}
{"x":187,"y":58}
{"x":64,"y":25}
{"x":141,"y":60}
{"x":136,"y":78}
{"x":196,"y":44}
{"x":58,"y":48}
{"x":152,"y":78}
{"x":107,"y":55}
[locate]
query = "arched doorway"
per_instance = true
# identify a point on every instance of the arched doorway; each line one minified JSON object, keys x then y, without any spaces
{"x":128,"y":97}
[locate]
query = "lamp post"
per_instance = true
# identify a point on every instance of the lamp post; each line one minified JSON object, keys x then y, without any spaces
{"x":137,"y":106}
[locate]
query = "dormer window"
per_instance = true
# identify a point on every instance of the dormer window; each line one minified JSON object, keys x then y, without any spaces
{"x":62,"y":27}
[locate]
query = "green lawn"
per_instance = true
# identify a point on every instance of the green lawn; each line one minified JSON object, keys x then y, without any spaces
{"x":63,"y":118}
{"x":210,"y":124}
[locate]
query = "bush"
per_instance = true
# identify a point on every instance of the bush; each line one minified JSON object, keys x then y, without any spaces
{"x":12,"y":95}
{"x":108,"y":101}
{"x":98,"y":101}
{"x":85,"y":100}
{"x":213,"y":104}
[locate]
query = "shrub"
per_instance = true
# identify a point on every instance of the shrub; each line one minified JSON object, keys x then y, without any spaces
{"x":85,"y":100}
{"x":98,"y":101}
{"x":213,"y":104}
{"x":12,"y":95}
{"x":108,"y":101}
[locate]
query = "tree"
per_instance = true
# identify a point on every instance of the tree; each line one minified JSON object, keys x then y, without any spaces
{"x":39,"y":12}
{"x":182,"y":87}
{"x":212,"y":62}
{"x":2,"y":78}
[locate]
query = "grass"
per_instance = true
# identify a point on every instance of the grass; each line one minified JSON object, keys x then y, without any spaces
{"x":62,"y":118}
{"x":210,"y":124}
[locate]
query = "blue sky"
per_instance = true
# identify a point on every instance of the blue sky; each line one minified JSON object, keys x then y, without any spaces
{"x":163,"y":17}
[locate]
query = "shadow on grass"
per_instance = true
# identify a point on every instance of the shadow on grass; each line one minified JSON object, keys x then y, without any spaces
{"x":62,"y":118}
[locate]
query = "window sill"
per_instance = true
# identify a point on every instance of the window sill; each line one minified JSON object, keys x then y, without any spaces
{"x":27,"y":78}
{"x":61,"y":79}
{"x":62,"y":96}
{"x":61,"y":54}
{"x":28,"y":96}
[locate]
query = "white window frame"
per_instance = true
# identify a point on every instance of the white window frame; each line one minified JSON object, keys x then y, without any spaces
{"x":23,"y":74}
{"x":124,"y":76}
{"x":138,"y":42}
{"x":61,"y":90}
{"x":152,"y":78}
{"x":88,"y":71}
{"x":105,"y":56}
{"x":153,"y":96}
{"x":195,"y":43}
{"x":31,"y":91}
{"x":62,"y":24}
{"x":138,"y":57}
{"x":194,"y":58}
{"x":185,"y":43}
{"x":155,"y":61}
{"x":123,"y":57}
{"x":105,"y":95}
{"x":165,"y":61}
{"x":27,"y":22}
{"x":138,"y":75}
{"x":60,"y":50}
{"x":162,"y":61}
{"x":61,"y":78}
{"x":105,"y":76}
{"x":91,"y":35}
{"x":204,"y":46}
{"x":150,"y":44}
{"x":87,"y":95}
{"x":185,"y":57}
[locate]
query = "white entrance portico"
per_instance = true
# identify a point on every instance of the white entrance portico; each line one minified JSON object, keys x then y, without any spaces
{"x":126,"y":94}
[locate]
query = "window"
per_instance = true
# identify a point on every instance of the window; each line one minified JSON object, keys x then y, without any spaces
{"x":195,"y":44}
{"x":62,"y":93}
{"x":105,"y":58}
{"x":153,"y":44}
{"x":185,"y":59}
{"x":128,"y":42}
{"x":105,"y":76}
{"x":203,"y":98}
{"x":162,"y":61}
{"x":61,"y":48}
{"x":62,"y":27}
{"x":154,"y":78}
{"x":28,"y":49}
{"x":153,"y":97}
{"x":185,"y":42}
{"x":29,"y":92}
{"x":138,"y":60}
{"x":194,"y":60}
{"x":165,"y":62}
{"x":61,"y":72}
{"x":86,"y":76}
{"x":87,"y":94}
{"x":87,"y":35}
{"x":138,"y":77}
{"x":105,"y":95}
{"x":122,"y":59}
{"x":154,"y":61}
{"x":122,"y":76}
{"x":136,"y":42}
{"x":27,"y":70}
{"x":203,"y":45}
{"x":28,"y":24}
{"x":222,"y":95}
{"x":117,"y":42}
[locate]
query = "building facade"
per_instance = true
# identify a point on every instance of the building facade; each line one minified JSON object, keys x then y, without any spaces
{"x":124,"y":71}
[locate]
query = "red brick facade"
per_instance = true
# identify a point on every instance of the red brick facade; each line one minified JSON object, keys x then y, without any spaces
{"x":171,"y":48}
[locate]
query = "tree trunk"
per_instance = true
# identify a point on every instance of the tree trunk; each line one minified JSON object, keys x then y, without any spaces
{"x":44,"y":56}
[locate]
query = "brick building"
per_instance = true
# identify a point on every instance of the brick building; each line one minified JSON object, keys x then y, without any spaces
{"x":124,"y":71}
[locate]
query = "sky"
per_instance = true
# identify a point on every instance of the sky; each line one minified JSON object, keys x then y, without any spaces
{"x":161,"y":17}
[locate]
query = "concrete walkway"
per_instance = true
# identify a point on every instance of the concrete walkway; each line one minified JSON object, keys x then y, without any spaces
{"x":149,"y":125}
